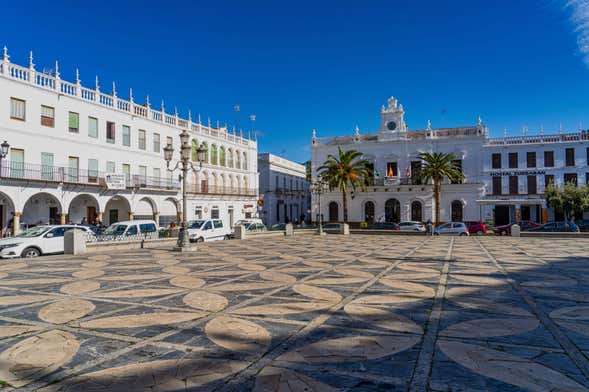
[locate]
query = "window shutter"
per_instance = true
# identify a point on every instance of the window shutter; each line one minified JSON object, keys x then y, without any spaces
{"x":74,"y":121}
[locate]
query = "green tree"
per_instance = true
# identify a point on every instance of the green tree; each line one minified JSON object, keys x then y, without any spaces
{"x":346,"y":170}
{"x":569,"y":200}
{"x":436,"y":166}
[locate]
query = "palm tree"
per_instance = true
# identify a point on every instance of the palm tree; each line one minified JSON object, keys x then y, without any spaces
{"x":436,"y":166}
{"x":343,"y":171}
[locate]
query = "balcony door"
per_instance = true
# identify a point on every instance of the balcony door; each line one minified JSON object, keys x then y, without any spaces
{"x":73,"y":169}
{"x":17,"y":163}
{"x":47,"y":166}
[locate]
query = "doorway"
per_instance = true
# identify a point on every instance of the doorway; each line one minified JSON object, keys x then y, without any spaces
{"x":53,"y":216}
{"x":501,"y":215}
{"x":91,"y":214}
{"x":526,"y":213}
{"x":113,"y":216}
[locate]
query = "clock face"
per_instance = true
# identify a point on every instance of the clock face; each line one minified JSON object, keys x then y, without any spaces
{"x":391,"y":125}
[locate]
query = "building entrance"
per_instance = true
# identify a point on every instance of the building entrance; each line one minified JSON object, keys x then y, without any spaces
{"x":501,"y":215}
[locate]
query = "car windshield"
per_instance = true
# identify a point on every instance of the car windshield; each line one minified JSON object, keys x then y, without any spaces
{"x":115,"y":229}
{"x":196,"y":224}
{"x":33,"y":232}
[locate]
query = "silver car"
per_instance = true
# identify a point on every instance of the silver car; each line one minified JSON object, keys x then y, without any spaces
{"x":452,"y":228}
{"x":411,"y":226}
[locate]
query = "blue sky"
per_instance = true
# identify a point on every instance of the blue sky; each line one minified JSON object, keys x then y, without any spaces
{"x":327,"y":65}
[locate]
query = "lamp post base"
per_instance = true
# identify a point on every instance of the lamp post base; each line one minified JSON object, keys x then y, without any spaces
{"x":189,"y":248}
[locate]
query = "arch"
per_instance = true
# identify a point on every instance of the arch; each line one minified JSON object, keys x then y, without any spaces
{"x":457,"y":211}
{"x":204,"y":182}
{"x":416,"y":211}
{"x":229,"y":158}
{"x":392,"y":211}
{"x":237,"y":159}
{"x":214,"y":160}
{"x":206,"y":147}
{"x":333,"y":211}
{"x":146,"y":208}
{"x":244,"y":162}
{"x":170,"y":211}
{"x":222,"y":157}
{"x":117,"y":209}
{"x":6,"y":213}
{"x":369,"y":211}
{"x":193,"y":154}
{"x":245,"y":183}
{"x":41,"y":208}
{"x":83,"y":206}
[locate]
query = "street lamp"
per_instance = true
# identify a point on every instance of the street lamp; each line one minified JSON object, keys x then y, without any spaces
{"x":3,"y":153}
{"x":184,"y":164}
{"x":318,"y":187}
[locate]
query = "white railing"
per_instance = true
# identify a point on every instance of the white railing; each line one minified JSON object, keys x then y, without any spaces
{"x":535,"y":139}
{"x":53,"y":83}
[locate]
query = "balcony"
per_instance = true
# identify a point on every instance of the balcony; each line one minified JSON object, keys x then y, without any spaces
{"x":19,"y":171}
{"x":220,"y":190}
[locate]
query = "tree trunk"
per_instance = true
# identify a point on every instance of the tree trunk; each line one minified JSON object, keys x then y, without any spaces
{"x":437,"y":196}
{"x":345,"y":204}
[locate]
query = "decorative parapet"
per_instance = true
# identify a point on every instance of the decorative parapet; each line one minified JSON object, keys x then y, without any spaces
{"x":51,"y":81}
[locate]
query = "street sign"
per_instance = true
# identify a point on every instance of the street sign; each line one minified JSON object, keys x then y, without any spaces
{"x":115,"y":181}
{"x":260,"y":203}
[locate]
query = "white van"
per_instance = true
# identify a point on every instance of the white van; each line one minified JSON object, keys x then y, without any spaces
{"x":38,"y":240}
{"x":136,"y":228}
{"x":208,"y":230}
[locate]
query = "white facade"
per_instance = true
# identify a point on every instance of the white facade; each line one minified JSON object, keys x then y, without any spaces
{"x":284,"y":188}
{"x":65,"y":138}
{"x":396,"y":196}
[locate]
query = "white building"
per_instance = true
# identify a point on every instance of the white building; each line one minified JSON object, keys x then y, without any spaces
{"x":284,"y":188}
{"x":504,"y":178}
{"x":65,"y":139}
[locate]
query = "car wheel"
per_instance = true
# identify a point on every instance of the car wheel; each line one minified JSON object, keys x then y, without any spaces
{"x":200,"y":239}
{"x":29,"y":253}
{"x":436,"y":233}
{"x":227,"y":237}
{"x":462,"y":234}
{"x":480,"y":232}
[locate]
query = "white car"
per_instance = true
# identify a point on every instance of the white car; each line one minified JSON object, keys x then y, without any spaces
{"x":452,"y":228}
{"x":37,"y":241}
{"x":411,"y":226}
{"x":208,"y":230}
{"x":135,"y":228}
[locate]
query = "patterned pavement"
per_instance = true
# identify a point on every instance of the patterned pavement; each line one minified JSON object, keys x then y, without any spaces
{"x":363,"y":313}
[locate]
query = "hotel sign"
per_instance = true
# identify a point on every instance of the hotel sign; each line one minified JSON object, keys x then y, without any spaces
{"x":115,"y":181}
{"x":518,"y":173}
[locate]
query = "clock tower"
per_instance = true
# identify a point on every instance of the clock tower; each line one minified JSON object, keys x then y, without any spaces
{"x":392,"y":123}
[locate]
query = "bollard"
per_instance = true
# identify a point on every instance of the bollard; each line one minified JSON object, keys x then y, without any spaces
{"x":240,"y":232}
{"x":289,"y":229}
{"x":74,"y":242}
{"x":515,"y":230}
{"x":345,"y":229}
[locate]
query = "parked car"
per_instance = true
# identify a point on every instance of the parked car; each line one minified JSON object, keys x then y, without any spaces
{"x":583,"y":224}
{"x":411,"y":226}
{"x":255,"y":227}
{"x":278,"y":226}
{"x":208,"y":230}
{"x":525,"y":225}
{"x":452,"y":228}
{"x":383,"y":226}
{"x":476,"y":227}
{"x":557,"y":227}
{"x":332,"y":227}
{"x":135,"y":228}
{"x":37,"y":241}
{"x":247,"y":221}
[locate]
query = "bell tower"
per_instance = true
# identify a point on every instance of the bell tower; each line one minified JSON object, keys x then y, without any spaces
{"x":392,"y":122}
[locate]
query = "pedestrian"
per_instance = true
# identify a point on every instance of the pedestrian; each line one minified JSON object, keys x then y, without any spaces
{"x":428,"y":227}
{"x":83,"y":221}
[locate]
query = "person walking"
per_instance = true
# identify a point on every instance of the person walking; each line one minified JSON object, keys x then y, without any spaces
{"x":429,"y":227}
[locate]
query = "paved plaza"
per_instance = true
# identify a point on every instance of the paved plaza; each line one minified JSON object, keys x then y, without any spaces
{"x":363,"y":313}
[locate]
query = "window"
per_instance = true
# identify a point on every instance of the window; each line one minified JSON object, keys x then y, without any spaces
{"x":392,"y":169}
{"x":456,"y":208}
{"x":126,"y":136}
{"x":169,"y":141}
{"x":17,"y":162}
{"x":208,"y":225}
{"x":132,"y":230}
{"x":74,"y":122}
{"x":156,"y":142}
{"x":513,"y":160}
{"x":215,"y":213}
{"x":93,"y":170}
{"x":127,"y":171}
{"x":548,"y":158}
{"x":110,"y":167}
{"x":222,"y":160}
{"x":532,"y":187}
{"x":549,"y":179}
{"x":17,"y":109}
{"x":458,"y":164}
{"x":513,"y":185}
{"x":147,"y":228}
{"x":570,"y":178}
{"x":93,"y":127}
{"x":157,"y":173}
{"x":141,"y":139}
{"x":198,"y":212}
{"x":143,"y":172}
{"x":531,"y":159}
{"x":218,"y":224}
{"x":497,"y":185}
{"x":496,"y":161}
{"x":47,"y":116}
{"x":73,"y":169}
{"x":110,"y":132}
{"x":415,"y":168}
{"x":570,"y":156}
{"x":244,"y":161}
{"x":47,"y":166}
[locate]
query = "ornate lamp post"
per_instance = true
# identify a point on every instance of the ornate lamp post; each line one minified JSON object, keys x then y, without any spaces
{"x":3,"y":153}
{"x":184,"y":164}
{"x":318,"y":187}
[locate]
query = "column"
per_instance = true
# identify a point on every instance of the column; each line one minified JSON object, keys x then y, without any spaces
{"x":16,"y":223}
{"x":156,"y":218}
{"x":99,"y":217}
{"x":180,"y":217}
{"x":131,"y":215}
{"x":62,"y":218}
